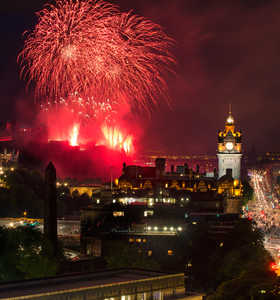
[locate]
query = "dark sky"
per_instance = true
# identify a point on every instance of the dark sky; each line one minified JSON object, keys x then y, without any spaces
{"x":227,"y":52}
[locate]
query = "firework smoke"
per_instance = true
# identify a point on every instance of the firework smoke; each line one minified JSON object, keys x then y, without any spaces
{"x":91,"y":48}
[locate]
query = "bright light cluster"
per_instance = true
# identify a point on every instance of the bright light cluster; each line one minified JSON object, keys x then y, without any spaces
{"x":264,"y":209}
{"x":165,"y":228}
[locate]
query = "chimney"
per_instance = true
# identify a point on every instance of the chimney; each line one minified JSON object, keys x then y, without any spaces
{"x":160,"y":166}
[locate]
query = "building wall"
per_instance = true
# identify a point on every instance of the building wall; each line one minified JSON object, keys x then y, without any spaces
{"x":229,"y":161}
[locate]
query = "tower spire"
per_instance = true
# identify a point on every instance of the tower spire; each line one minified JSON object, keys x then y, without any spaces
{"x":230,"y":120}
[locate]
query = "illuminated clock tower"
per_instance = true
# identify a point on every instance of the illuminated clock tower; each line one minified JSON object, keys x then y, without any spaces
{"x":229,"y":149}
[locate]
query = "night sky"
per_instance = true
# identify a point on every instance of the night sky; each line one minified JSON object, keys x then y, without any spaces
{"x":227,"y":52}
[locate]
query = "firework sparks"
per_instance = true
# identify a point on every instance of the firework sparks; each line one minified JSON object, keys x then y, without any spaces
{"x":73,"y":139}
{"x":90,"y":47}
{"x":115,"y":139}
{"x":84,"y":109}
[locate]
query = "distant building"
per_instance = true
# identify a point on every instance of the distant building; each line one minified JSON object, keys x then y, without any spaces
{"x":9,"y":154}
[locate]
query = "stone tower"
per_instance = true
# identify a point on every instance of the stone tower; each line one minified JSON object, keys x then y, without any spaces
{"x":50,"y":214}
{"x":229,"y":149}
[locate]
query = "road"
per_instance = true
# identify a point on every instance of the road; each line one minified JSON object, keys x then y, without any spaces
{"x":64,"y":227}
{"x":265,"y":210}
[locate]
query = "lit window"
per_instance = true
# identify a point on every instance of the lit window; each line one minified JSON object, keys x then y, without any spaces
{"x":166,"y":185}
{"x":149,"y":227}
{"x":164,"y":228}
{"x":97,"y":201}
{"x":194,"y":223}
{"x":138,"y":240}
{"x":170,"y":252}
{"x":179,"y":228}
{"x":148,"y":213}
{"x":131,"y":240}
{"x":156,"y":228}
{"x":118,"y":213}
{"x":144,"y":240}
{"x":171,"y":228}
{"x":150,"y":252}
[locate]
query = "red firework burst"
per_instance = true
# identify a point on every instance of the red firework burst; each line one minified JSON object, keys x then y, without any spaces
{"x":90,"y":47}
{"x":57,"y":53}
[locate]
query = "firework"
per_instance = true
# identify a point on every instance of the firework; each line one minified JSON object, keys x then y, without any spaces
{"x":74,"y":135}
{"x":83,"y":109}
{"x":116,"y":139}
{"x":91,"y":48}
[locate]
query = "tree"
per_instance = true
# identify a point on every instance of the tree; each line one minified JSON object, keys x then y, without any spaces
{"x":242,"y":265}
{"x":24,"y":190}
{"x":248,"y":192}
{"x":23,"y":254}
{"x":122,"y":255}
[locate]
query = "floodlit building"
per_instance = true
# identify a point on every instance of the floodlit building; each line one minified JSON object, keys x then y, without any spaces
{"x":229,"y":149}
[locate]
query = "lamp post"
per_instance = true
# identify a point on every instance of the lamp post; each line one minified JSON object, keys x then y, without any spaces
{"x":188,"y":277}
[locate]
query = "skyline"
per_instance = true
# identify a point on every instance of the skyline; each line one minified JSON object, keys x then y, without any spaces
{"x":225,"y":54}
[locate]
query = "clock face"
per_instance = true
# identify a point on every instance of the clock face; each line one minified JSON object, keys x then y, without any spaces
{"x":229,"y":145}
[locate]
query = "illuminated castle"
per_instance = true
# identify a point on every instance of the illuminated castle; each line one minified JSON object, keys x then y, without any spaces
{"x":229,"y":149}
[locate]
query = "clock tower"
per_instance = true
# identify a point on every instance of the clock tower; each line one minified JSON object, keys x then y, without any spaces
{"x":229,"y":149}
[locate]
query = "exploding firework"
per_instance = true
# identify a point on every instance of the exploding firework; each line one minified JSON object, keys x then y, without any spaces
{"x":90,"y":47}
{"x":83,"y":109}
{"x":74,"y":135}
{"x":116,"y":139}
{"x":57,"y":55}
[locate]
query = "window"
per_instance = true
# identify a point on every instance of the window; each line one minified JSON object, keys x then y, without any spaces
{"x":131,"y":240}
{"x":148,"y":213}
{"x":170,"y":252}
{"x":118,"y":213}
{"x":150,"y":252}
{"x":138,"y":240}
{"x":144,"y":240}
